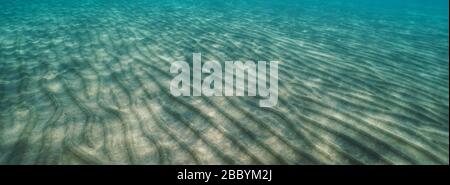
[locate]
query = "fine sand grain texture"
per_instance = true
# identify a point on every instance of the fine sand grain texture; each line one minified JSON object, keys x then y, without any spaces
{"x":360,"y":82}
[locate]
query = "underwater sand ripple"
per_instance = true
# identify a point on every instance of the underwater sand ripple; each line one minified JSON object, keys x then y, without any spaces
{"x":92,"y":87}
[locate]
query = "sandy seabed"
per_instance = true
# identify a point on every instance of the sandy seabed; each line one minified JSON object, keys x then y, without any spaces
{"x":87,"y":82}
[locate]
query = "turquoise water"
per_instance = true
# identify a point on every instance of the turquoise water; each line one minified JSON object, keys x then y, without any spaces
{"x":360,"y":82}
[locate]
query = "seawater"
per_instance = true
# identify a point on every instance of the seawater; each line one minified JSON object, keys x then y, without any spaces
{"x":360,"y":82}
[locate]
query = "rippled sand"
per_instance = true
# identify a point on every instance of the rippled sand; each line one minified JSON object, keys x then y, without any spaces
{"x":87,"y":82}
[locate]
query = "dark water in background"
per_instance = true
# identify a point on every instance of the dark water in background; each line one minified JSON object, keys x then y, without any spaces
{"x":87,"y":81}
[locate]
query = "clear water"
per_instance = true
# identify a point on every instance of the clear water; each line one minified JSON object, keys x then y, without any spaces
{"x":87,"y":82}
